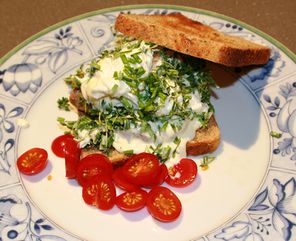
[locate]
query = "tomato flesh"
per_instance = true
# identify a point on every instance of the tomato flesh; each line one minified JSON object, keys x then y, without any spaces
{"x":132,"y":201}
{"x":141,"y":169}
{"x":93,"y":165}
{"x":121,"y":181}
{"x":58,"y":145}
{"x":161,"y":176}
{"x":99,"y":191}
{"x":32,"y":161}
{"x":163,"y":204}
{"x":72,"y":157}
{"x":182,"y":174}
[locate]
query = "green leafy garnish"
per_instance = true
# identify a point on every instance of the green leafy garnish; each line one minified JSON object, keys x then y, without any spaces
{"x":206,"y":161}
{"x":128,"y":152}
{"x":93,"y":68}
{"x":79,"y":72}
{"x":171,"y":82}
{"x":63,"y":104}
{"x":73,"y":82}
{"x":275,"y":134}
{"x":165,"y":152}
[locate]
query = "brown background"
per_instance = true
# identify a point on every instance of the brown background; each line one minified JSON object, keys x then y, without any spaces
{"x":19,"y":19}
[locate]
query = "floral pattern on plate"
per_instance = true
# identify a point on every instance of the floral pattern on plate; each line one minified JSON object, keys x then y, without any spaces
{"x":271,"y":215}
{"x":279,"y":101}
{"x":19,"y":220}
{"x":41,"y":60}
{"x":9,"y":114}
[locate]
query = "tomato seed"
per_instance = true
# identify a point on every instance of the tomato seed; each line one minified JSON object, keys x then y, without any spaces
{"x":165,"y":205}
{"x":132,"y":198}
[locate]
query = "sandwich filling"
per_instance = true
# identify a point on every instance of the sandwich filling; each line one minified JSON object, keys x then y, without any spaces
{"x":138,"y":97}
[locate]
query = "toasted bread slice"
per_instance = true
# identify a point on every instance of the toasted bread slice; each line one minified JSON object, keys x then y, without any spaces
{"x":206,"y":140}
{"x":179,"y":33}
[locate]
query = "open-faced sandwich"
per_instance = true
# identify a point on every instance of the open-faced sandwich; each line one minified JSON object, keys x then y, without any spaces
{"x":146,"y":93}
{"x":144,"y":105}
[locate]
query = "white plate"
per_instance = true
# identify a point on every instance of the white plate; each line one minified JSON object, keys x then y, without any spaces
{"x":248,"y":193}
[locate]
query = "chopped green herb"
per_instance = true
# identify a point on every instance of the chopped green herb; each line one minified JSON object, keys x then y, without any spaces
{"x":136,"y":58}
{"x":177,"y":140}
{"x":126,"y":102}
{"x":117,"y":75}
{"x":206,"y":161}
{"x":115,"y":88}
{"x":128,"y":152}
{"x":124,"y":59}
{"x":163,"y":152}
{"x":93,"y":68}
{"x":275,"y":134}
{"x":63,"y":104}
{"x":79,"y":72}
{"x":171,"y":81}
{"x":73,"y":82}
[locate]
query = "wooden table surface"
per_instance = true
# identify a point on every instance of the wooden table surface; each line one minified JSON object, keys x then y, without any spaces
{"x":19,"y":19}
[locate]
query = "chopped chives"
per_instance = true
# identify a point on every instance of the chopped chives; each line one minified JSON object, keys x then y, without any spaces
{"x":172,"y":78}
{"x":275,"y":134}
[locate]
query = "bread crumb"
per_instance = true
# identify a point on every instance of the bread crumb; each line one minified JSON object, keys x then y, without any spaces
{"x":22,"y":123}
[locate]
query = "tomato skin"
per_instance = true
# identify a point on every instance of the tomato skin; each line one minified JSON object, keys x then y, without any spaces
{"x":32,"y":161}
{"x":141,"y":169}
{"x":99,"y":191}
{"x":163,"y":204}
{"x":160,"y":177}
{"x":89,"y":192}
{"x":72,"y":157}
{"x":187,"y":171}
{"x":58,"y":145}
{"x":93,"y":165}
{"x":132,"y":201}
{"x":121,"y":181}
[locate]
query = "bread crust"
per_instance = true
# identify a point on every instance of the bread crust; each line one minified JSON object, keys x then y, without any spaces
{"x":206,"y":139}
{"x":179,"y":33}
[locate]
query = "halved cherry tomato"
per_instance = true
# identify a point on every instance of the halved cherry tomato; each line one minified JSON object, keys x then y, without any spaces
{"x":93,"y":165}
{"x":163,"y":204}
{"x":72,"y":157}
{"x":99,"y":191}
{"x":121,"y":181}
{"x":132,"y":201}
{"x":58,"y":145}
{"x":141,"y":169}
{"x":161,"y":176}
{"x":32,"y":161}
{"x":182,"y":174}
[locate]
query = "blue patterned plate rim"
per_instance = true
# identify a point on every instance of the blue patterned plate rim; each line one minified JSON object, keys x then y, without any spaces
{"x":285,"y":190}
{"x":278,"y":44}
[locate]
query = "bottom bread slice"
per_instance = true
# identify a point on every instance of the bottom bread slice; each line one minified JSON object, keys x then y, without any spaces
{"x":206,"y":140}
